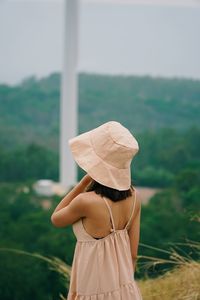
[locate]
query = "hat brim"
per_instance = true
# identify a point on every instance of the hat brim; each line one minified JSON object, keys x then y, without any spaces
{"x":102,"y":172}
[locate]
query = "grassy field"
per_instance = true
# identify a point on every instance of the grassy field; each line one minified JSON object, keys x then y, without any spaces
{"x":182,"y":283}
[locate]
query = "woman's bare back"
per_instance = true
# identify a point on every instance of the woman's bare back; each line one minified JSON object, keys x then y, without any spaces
{"x":98,"y":223}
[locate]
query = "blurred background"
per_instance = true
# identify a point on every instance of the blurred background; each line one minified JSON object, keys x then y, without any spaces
{"x":137,"y":63}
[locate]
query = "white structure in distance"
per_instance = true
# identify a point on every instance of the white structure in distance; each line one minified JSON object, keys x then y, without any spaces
{"x":69,"y":90}
{"x":48,"y":188}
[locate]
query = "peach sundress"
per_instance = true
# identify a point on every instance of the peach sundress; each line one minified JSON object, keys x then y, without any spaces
{"x":102,"y":268}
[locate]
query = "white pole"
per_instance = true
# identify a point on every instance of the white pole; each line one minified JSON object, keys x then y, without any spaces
{"x":69,"y":87}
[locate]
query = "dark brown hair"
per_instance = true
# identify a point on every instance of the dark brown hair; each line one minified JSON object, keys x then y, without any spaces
{"x":105,"y":191}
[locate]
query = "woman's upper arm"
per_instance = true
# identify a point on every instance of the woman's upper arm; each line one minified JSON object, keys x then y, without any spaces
{"x":134,"y":231}
{"x":71,"y":213}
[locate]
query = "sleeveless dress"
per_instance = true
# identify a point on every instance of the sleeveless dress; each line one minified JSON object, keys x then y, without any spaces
{"x":102,"y":268}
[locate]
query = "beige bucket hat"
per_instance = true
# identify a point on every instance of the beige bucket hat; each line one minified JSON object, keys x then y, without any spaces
{"x":105,"y":153}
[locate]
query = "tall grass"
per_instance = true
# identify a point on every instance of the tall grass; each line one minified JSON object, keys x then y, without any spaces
{"x":179,"y":283}
{"x":182,"y":283}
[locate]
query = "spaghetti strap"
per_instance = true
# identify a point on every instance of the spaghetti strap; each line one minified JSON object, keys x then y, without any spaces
{"x":111,"y":216}
{"x":133,"y":208}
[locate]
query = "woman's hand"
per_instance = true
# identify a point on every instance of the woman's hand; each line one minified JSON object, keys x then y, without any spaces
{"x":86,"y":180}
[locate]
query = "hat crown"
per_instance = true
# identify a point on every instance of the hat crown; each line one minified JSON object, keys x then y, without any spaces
{"x":114,"y":144}
{"x":105,"y":153}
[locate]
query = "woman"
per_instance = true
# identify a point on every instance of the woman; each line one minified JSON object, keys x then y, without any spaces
{"x":105,"y":214}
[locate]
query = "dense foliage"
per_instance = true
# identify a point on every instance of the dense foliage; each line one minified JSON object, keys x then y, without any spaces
{"x":25,"y":225}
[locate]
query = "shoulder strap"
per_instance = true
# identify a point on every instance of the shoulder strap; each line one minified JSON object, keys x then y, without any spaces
{"x":111,"y":216}
{"x":133,"y":208}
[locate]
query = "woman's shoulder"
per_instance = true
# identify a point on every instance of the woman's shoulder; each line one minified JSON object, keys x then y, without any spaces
{"x":91,"y":198}
{"x":92,"y":202}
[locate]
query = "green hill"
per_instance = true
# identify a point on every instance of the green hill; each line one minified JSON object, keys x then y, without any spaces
{"x":30,"y":111}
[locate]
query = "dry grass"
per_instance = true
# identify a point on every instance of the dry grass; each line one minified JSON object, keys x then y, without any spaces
{"x":180,"y":283}
{"x":183,"y":283}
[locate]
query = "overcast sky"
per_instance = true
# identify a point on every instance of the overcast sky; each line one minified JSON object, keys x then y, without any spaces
{"x":116,"y":39}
